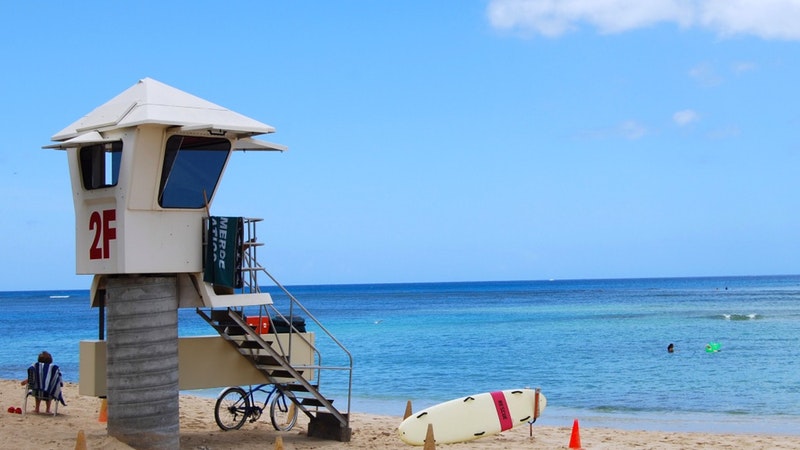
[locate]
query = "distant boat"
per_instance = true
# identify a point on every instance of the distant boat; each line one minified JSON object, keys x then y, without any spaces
{"x":59,"y":296}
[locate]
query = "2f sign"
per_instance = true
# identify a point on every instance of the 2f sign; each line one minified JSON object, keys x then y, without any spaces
{"x":100,"y":224}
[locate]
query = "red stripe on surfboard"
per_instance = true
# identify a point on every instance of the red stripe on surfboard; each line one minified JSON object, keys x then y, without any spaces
{"x":502,"y":410}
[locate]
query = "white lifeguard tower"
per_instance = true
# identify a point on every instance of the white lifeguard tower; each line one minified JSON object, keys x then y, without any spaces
{"x":144,"y":169}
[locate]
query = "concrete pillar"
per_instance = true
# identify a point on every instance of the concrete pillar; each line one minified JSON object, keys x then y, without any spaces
{"x":142,"y":361}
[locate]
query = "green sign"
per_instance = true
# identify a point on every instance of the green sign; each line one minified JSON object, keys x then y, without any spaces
{"x":223,"y":261}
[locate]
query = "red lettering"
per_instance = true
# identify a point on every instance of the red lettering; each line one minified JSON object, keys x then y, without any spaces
{"x":109,"y":232}
{"x":103,"y":232}
{"x":96,"y":224}
{"x":502,"y":410}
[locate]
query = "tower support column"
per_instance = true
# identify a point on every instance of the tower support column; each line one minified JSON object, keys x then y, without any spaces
{"x":142,"y":360}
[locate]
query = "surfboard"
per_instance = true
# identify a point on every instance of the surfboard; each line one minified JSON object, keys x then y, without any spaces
{"x":473,"y":417}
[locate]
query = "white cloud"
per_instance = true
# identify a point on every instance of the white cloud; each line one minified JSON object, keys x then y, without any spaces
{"x":768,"y":19}
{"x":705,"y":75}
{"x":632,"y":130}
{"x":685,"y":117}
{"x":744,"y":66}
{"x":555,"y":17}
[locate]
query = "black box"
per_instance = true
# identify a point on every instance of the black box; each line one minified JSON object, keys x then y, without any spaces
{"x":282,"y":326}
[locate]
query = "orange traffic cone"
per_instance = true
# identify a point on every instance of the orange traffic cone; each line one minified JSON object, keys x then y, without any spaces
{"x":278,"y":443}
{"x":575,"y":439}
{"x":103,"y":417}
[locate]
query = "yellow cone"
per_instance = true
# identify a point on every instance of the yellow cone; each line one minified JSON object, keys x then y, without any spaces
{"x":278,"y":443}
{"x":80,"y":443}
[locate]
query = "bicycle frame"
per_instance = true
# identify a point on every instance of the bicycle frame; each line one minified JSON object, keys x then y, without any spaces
{"x":238,"y":404}
{"x":251,"y":395}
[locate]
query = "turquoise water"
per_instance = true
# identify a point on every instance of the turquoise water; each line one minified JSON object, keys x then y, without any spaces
{"x":597,"y":348}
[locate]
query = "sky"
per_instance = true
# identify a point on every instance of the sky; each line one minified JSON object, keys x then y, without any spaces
{"x":457,"y":140}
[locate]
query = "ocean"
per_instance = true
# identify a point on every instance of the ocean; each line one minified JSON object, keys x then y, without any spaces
{"x":596,"y":348}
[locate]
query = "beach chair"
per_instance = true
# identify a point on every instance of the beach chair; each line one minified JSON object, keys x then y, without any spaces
{"x":44,"y":384}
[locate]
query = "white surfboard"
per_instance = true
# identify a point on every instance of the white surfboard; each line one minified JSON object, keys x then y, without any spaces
{"x":473,"y":417}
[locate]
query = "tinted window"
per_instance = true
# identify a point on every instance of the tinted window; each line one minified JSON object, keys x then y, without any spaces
{"x":192,"y":167}
{"x":100,"y":164}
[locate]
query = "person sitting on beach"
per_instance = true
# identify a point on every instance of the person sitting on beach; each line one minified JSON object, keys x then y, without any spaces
{"x":44,"y":382}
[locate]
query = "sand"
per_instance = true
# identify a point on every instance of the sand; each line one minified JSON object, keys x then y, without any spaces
{"x":200,"y":432}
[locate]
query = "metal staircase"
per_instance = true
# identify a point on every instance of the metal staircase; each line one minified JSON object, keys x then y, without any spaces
{"x":286,"y":355}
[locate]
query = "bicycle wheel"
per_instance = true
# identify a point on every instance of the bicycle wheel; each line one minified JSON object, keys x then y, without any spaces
{"x":232,"y":408}
{"x":282,"y":412}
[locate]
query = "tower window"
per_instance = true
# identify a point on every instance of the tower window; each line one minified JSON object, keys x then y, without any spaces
{"x":191,"y":171}
{"x":100,"y":164}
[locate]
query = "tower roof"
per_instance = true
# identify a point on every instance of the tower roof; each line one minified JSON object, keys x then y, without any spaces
{"x":153,"y":102}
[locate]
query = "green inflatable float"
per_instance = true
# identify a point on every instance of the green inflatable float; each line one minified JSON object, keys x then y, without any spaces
{"x":712,"y":347}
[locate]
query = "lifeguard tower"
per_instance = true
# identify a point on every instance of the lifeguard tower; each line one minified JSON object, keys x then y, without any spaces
{"x":144,"y":169}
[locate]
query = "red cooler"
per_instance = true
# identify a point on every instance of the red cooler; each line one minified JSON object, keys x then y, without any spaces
{"x":260,"y":324}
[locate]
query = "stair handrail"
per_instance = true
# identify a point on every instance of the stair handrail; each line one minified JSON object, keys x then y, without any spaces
{"x":327,"y":332}
{"x":251,"y":267}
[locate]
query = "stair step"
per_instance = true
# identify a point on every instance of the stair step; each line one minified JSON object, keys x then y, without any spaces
{"x":249,"y":345}
{"x":278,"y":372}
{"x":264,"y":360}
{"x":271,"y":366}
{"x":313,"y":402}
{"x":222,"y":315}
{"x":295,"y":387}
{"x":235,"y":330}
{"x":248,"y":337}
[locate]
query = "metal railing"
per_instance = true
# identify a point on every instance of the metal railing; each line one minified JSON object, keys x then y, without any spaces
{"x":250,"y":270}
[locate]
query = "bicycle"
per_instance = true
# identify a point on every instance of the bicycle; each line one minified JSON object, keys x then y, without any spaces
{"x":235,"y":405}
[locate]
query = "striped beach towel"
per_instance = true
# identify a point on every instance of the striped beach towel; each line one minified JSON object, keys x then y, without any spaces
{"x":44,"y":380}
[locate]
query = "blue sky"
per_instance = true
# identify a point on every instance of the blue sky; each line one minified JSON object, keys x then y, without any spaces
{"x":440,"y":141}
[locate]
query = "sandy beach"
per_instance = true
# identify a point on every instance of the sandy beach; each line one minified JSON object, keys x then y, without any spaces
{"x":199,"y":432}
